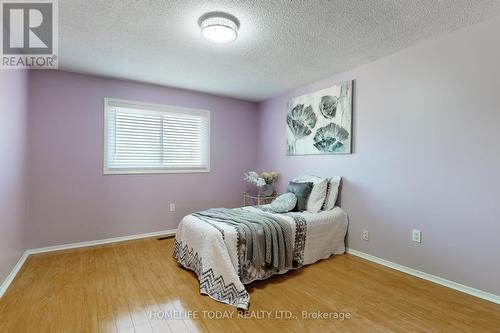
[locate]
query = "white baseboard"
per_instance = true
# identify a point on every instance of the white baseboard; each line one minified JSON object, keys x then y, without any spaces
{"x":6,"y":283}
{"x":100,"y":241}
{"x":8,"y":280}
{"x":429,"y":277}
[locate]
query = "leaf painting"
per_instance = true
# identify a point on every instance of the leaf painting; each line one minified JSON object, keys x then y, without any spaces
{"x":321,"y":122}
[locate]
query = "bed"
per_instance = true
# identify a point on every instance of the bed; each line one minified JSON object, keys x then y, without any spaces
{"x":221,"y":255}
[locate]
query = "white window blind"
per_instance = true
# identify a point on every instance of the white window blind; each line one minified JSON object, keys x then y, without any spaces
{"x":150,"y":138}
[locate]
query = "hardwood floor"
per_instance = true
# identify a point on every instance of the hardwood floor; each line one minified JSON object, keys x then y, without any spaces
{"x":119,"y":287}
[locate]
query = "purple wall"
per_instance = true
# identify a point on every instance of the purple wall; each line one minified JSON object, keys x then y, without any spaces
{"x":70,"y":198}
{"x":426,"y":155}
{"x":13,"y":125}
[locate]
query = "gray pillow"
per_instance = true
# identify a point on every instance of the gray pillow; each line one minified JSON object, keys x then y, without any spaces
{"x":302,"y":192}
{"x":284,"y":203}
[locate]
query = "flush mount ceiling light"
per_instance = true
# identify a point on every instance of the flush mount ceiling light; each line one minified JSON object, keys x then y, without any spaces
{"x":219,"y":27}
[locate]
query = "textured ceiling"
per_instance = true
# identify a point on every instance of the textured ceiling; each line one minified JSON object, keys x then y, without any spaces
{"x":281,"y":44}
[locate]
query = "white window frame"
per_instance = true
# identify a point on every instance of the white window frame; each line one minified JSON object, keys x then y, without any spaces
{"x":152,"y":107}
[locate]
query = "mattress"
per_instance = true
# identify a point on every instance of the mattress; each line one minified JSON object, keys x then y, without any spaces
{"x":325,"y":234}
{"x":211,"y":250}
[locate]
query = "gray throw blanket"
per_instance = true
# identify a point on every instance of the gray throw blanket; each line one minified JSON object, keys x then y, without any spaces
{"x":268,"y":238}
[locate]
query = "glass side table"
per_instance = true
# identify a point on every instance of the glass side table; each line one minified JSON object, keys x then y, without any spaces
{"x":256,"y":199}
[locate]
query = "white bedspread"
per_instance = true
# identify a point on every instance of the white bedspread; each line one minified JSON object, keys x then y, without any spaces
{"x":211,"y":250}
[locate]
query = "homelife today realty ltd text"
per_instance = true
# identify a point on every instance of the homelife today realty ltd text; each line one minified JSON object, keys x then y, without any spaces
{"x":261,"y":314}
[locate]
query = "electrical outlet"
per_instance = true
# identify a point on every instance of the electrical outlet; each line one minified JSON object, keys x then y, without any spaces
{"x":416,"y":236}
{"x":365,"y":235}
{"x":172,"y":207}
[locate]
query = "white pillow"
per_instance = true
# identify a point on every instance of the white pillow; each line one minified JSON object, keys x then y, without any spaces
{"x":332,"y":193}
{"x":284,"y":203}
{"x":318,"y":193}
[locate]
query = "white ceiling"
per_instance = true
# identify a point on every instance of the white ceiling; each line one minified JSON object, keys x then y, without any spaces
{"x":281,"y":44}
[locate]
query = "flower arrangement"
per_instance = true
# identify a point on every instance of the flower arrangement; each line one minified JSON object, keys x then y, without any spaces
{"x":263,"y":181}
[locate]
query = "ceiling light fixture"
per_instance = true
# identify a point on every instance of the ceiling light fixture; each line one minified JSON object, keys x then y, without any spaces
{"x":219,"y":27}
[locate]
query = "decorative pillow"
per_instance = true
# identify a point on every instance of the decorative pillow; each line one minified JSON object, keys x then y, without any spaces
{"x":284,"y":203}
{"x":318,"y":193}
{"x":332,"y":193}
{"x":302,"y":192}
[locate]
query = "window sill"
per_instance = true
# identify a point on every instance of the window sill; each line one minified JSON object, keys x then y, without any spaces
{"x":152,"y":172}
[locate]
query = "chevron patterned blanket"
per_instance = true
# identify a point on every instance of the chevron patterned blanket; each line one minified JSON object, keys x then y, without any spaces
{"x":214,"y":244}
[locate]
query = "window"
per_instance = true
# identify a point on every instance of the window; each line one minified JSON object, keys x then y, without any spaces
{"x":149,"y":138}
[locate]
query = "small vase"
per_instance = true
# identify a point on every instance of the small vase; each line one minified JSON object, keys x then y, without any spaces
{"x":267,"y":190}
{"x":264,"y":190}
